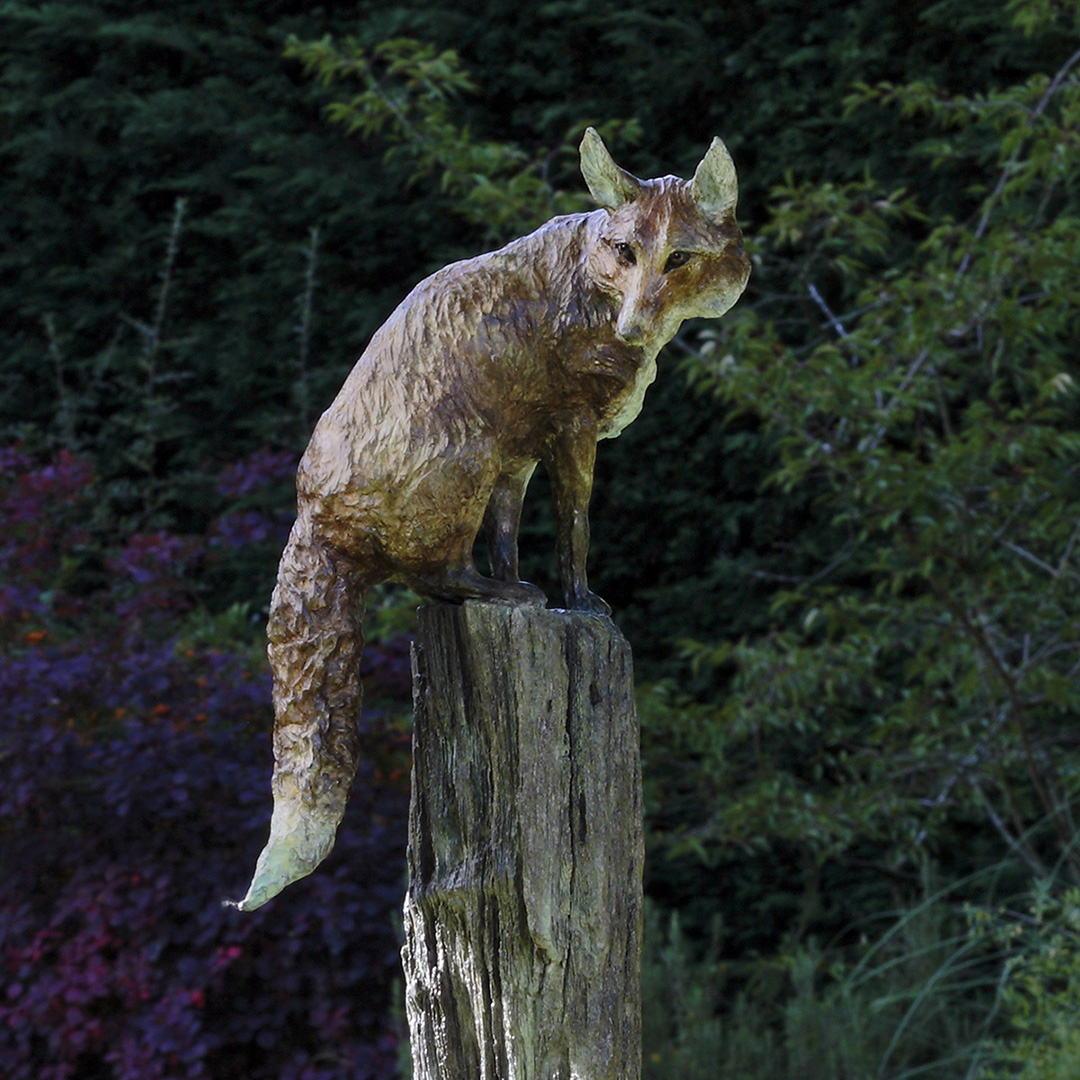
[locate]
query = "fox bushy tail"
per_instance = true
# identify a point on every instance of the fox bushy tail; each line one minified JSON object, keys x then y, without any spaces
{"x":315,"y":641}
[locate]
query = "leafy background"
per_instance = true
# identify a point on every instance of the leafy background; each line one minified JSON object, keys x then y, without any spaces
{"x":842,"y":537}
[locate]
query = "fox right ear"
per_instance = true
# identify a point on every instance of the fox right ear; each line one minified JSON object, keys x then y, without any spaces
{"x":715,"y":185}
{"x":611,"y":186}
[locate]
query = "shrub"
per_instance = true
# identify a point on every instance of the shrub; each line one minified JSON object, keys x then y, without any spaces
{"x":133,"y":798}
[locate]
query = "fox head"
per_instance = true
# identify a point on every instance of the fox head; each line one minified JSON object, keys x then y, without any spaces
{"x":670,"y":249}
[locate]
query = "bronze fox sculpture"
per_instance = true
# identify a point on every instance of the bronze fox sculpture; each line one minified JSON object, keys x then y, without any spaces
{"x":528,"y":354}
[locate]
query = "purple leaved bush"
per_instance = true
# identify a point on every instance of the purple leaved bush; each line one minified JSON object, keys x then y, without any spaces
{"x":134,"y":797}
{"x":242,"y":482}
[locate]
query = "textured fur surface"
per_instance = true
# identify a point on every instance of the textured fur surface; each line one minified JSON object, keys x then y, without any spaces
{"x":528,"y":354}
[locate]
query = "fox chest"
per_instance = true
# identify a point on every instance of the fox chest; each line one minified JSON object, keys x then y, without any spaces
{"x":615,"y":377}
{"x":626,"y":397}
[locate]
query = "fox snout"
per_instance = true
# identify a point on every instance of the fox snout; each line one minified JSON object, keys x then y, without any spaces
{"x":635,"y":321}
{"x":643,"y":309}
{"x":633,"y":333}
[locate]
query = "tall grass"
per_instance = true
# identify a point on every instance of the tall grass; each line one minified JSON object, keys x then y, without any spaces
{"x":964,"y":984}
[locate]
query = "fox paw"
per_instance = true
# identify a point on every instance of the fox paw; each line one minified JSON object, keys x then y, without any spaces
{"x":588,"y":603}
{"x":458,"y":585}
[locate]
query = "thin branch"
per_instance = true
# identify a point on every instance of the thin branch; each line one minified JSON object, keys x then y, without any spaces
{"x":303,"y":329}
{"x":834,"y":322}
{"x":871,"y":443}
{"x":1024,"y":554}
{"x":977,"y":630}
{"x":1014,"y":843}
{"x":1055,"y":84}
{"x":67,"y":426}
{"x":943,"y":409}
{"x":964,"y":769}
{"x":1069,"y":548}
{"x":806,"y":579}
{"x":153,"y":332}
{"x":1054,"y":571}
{"x":1003,"y":179}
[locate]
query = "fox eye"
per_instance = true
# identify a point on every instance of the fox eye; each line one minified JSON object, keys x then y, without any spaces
{"x":676,"y":259}
{"x":626,"y":251}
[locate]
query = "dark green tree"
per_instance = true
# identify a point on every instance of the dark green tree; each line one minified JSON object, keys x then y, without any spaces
{"x":913,"y":700}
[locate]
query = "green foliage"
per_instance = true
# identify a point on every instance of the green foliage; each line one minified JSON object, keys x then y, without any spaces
{"x":113,"y":119}
{"x":912,"y":692}
{"x":391,"y":612}
{"x":911,"y":1002}
{"x":984,"y":990}
{"x":863,"y":526}
{"x":924,"y":669}
{"x":409,"y":99}
{"x":296,"y":241}
{"x":1040,"y":987}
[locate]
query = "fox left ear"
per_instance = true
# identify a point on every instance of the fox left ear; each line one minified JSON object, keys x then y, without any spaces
{"x":715,"y":186}
{"x":610,"y":185}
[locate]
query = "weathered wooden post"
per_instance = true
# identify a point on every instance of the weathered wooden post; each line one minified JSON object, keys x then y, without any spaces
{"x":523,"y":914}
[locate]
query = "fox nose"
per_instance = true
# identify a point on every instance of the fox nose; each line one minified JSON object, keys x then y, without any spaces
{"x":632,"y":325}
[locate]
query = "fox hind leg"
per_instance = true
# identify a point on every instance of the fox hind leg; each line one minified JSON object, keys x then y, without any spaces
{"x":456,"y":578}
{"x":443,"y":567}
{"x":463,"y":581}
{"x":315,"y":641}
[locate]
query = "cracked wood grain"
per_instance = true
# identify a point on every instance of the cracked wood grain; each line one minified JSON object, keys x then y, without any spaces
{"x":523,"y":915}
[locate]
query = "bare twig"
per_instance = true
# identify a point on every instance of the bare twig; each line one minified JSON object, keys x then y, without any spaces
{"x":67,"y":426}
{"x":834,"y":322}
{"x":1055,"y":84}
{"x":1067,"y":554}
{"x":1003,"y":179}
{"x":303,"y":329}
{"x":1016,"y":549}
{"x":805,"y":579}
{"x":1062,"y":568}
{"x":1015,"y":843}
{"x":872,"y":441}
{"x":964,"y":769}
{"x":154,"y":331}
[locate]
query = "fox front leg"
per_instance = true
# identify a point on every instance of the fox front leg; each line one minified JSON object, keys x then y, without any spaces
{"x":501,"y":521}
{"x":570,"y":458}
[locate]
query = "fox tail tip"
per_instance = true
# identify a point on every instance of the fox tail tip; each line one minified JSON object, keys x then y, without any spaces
{"x":298,"y":842}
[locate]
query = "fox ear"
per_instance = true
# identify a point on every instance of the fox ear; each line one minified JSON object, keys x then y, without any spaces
{"x":611,"y":186}
{"x":715,"y":187}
